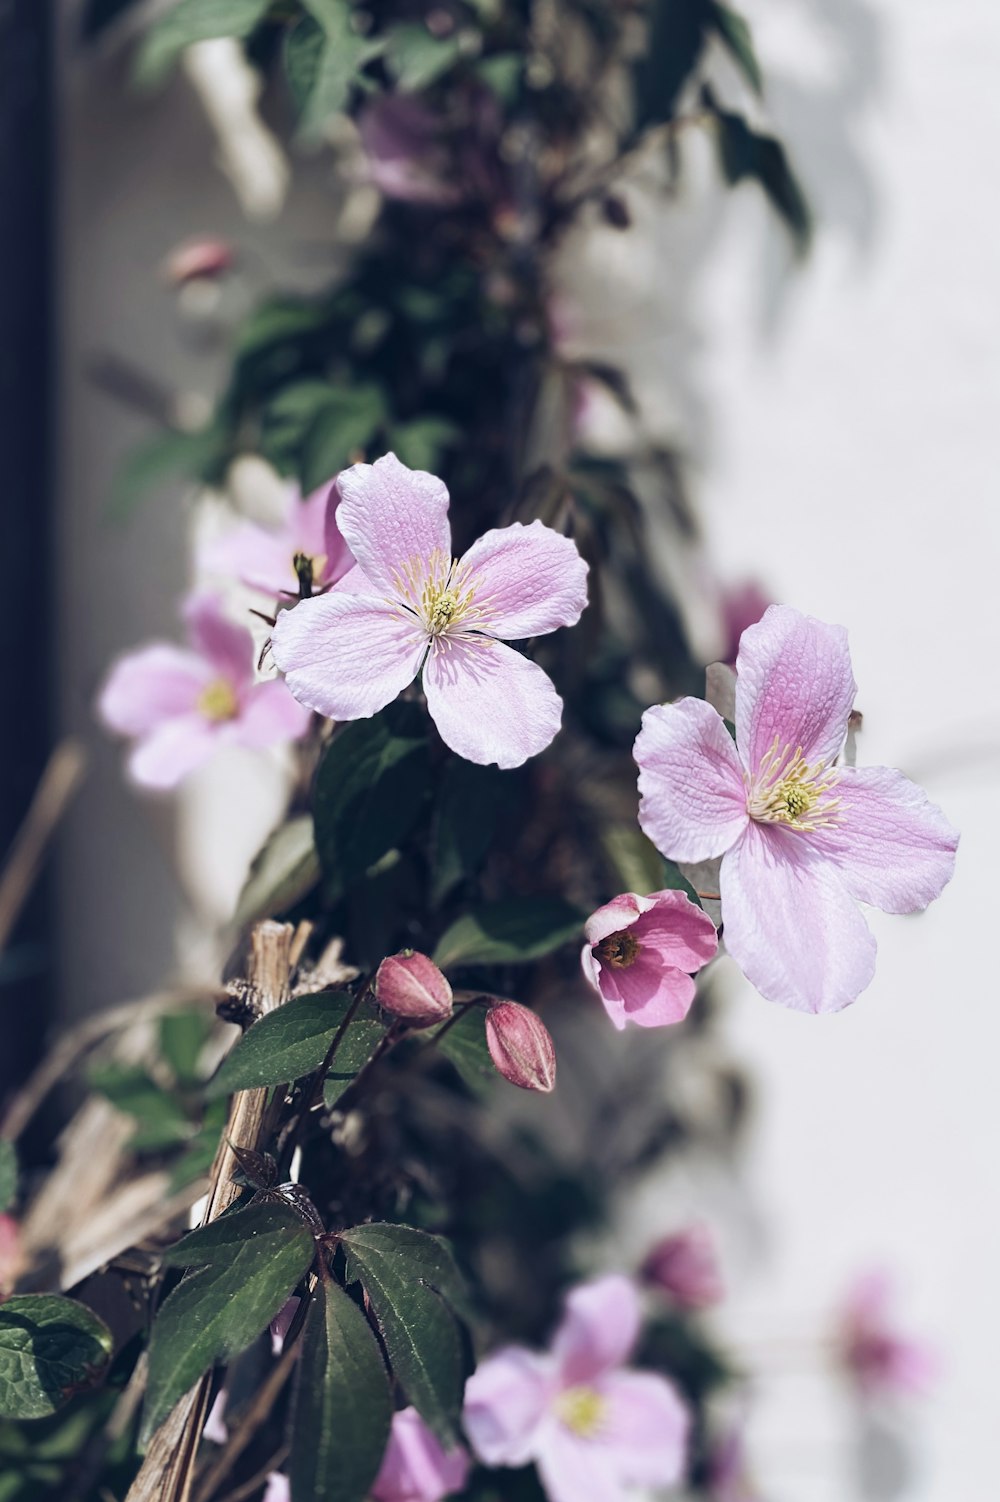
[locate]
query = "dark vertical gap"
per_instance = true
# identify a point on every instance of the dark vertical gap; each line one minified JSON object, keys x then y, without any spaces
{"x":26,"y":496}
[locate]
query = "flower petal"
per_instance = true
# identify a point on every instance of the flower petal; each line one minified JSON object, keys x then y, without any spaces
{"x":339,"y":558}
{"x":794,"y":684}
{"x":268,"y":716}
{"x":646,"y":1430}
{"x":145,"y":688}
{"x":573,"y":1468}
{"x":488,"y":702}
{"x":505,"y":1401}
{"x":165,"y":757}
{"x":892,"y":846}
{"x":416,"y":1467}
{"x":647,"y":993}
{"x":621,"y":912}
{"x":257,"y":556}
{"x":346,"y":656}
{"x":677,"y":931}
{"x":790,"y":923}
{"x":529,"y":580}
{"x":392,"y":517}
{"x":599,"y":1329}
{"x":228,"y":647}
{"x":693,"y":798}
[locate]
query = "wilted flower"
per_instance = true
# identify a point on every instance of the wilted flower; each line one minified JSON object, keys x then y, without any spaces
{"x":264,"y":558}
{"x":410,"y":985}
{"x":410,"y":607}
{"x":641,"y":952}
{"x":877,"y":1355}
{"x":591,"y":1426}
{"x":416,"y":1468}
{"x":803,"y":839}
{"x":685,"y":1266}
{"x":521,"y":1046}
{"x":181,"y":706}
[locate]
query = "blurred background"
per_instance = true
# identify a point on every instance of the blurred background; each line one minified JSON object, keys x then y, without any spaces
{"x":840,"y":420}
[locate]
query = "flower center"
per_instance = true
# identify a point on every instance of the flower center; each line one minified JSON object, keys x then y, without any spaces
{"x":217,"y":700}
{"x":619,"y":950}
{"x":440,"y":594}
{"x":581,"y":1409}
{"x":787,"y":790}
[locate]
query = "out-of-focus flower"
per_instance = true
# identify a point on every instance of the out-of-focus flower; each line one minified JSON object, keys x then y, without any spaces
{"x":591,"y":1426}
{"x":521,"y":1046}
{"x":278,"y":1489}
{"x":728,"y":1480}
{"x":181,"y":706}
{"x":264,"y":558}
{"x":640,"y":955}
{"x":410,"y":985}
{"x":282,"y":1323}
{"x":416,"y":1468}
{"x":203,"y":259}
{"x":741,"y":606}
{"x":879,"y":1357}
{"x":685,"y":1266}
{"x":12,"y":1257}
{"x":407,"y":157}
{"x":410,"y":607}
{"x":803,"y":840}
{"x":216,"y":1430}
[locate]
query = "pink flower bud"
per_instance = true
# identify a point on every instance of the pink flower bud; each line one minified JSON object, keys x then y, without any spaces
{"x":412,"y":986}
{"x":520,"y":1046}
{"x":685,"y":1266}
{"x":195,"y":260}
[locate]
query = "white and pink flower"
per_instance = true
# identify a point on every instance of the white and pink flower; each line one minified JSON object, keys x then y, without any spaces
{"x":416,"y":1467}
{"x":592,"y":1427}
{"x":641,"y":953}
{"x":803,"y":838}
{"x":263,"y":558}
{"x":180,"y":706}
{"x":410,"y":607}
{"x":879,"y":1357}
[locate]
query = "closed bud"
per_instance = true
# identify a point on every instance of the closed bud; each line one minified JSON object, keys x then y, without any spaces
{"x":412,"y":986}
{"x":521,"y":1046}
{"x":685,"y":1266}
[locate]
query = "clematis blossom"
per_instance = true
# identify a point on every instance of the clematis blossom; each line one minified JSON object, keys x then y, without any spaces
{"x":263,"y":558}
{"x":593,"y":1428}
{"x":803,"y":838}
{"x":416,"y":1468}
{"x":179,"y":706}
{"x":641,"y":953}
{"x":686,"y":1267}
{"x":410,"y":607}
{"x":878,"y":1356}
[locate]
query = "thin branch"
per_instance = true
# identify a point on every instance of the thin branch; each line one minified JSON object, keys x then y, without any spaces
{"x":59,"y":782}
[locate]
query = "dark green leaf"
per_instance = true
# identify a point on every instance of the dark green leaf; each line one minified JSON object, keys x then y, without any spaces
{"x":464,"y":1046}
{"x":637,"y":864}
{"x":161,"y":1119}
{"x":291,"y":1042}
{"x":167,"y":456}
{"x":672,"y":52}
{"x":346,"y":426}
{"x":416,"y":58}
{"x":735,"y":33}
{"x":675,"y":880}
{"x":283,"y":320}
{"x":408,"y":1275}
{"x":419,"y":444}
{"x":194,"y":21}
{"x":467,"y":808}
{"x":342,"y":1406}
{"x":502,"y":74}
{"x":251,"y":1261}
{"x":50,"y":1349}
{"x":512,"y":931}
{"x":324,"y":57}
{"x":369,"y":790}
{"x":8,"y":1174}
{"x":748,"y":155}
{"x":286,"y":868}
{"x":183,"y":1035}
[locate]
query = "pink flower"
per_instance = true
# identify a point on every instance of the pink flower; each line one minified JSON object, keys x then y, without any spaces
{"x":180,"y":706}
{"x":199,"y":259}
{"x":264,"y":557}
{"x":640,"y":954}
{"x":686,"y":1267}
{"x":278,"y":1489}
{"x":216,"y":1429}
{"x":591,"y":1427}
{"x":415,"y":1467}
{"x":878,"y":1357}
{"x":803,"y":840}
{"x":407,"y":157}
{"x":410,"y":607}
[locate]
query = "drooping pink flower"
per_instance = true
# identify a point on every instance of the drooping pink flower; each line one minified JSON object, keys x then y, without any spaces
{"x":591,"y":1426}
{"x":264,"y":557}
{"x":803,"y":839}
{"x":409,"y":606}
{"x":416,"y":1468}
{"x":640,"y":955}
{"x":877,"y":1355}
{"x":685,"y":1266}
{"x":181,"y":705}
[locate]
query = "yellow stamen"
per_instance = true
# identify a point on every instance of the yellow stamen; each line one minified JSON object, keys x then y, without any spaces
{"x":218,"y":701}
{"x":440,"y":593}
{"x":581,"y":1409}
{"x":787,"y":790}
{"x":618,"y":950}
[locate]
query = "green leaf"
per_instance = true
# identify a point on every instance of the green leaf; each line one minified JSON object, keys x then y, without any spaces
{"x":324,"y":57}
{"x":411,"y":1280}
{"x":347,"y":424}
{"x":282,"y":320}
{"x":636,"y":861}
{"x":464,"y":1046}
{"x":342,"y":1407}
{"x":416,"y":58}
{"x":194,"y":21}
{"x":183,"y":1035}
{"x":502,"y":74}
{"x":283,"y":872}
{"x":674,"y":880}
{"x":166,"y":456}
{"x":370,"y":787}
{"x":8,"y":1174}
{"x":468,"y":804}
{"x":420,"y":444}
{"x":291,"y":1042}
{"x":248,"y":1263}
{"x":50,"y":1349}
{"x":746,"y":154}
{"x":735,"y":33}
{"x":161,"y":1120}
{"x":512,"y":931}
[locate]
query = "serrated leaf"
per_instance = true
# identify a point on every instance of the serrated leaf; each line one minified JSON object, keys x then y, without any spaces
{"x":512,"y":931}
{"x":467,"y":806}
{"x":291,"y":1042}
{"x":735,"y":33}
{"x":285,"y":869}
{"x":50,"y":1349}
{"x":416,"y":58}
{"x":369,"y":791}
{"x":249,"y":1263}
{"x":8,"y":1174}
{"x":194,"y":21}
{"x":412,"y":1285}
{"x":464,"y":1045}
{"x":342,"y":1407}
